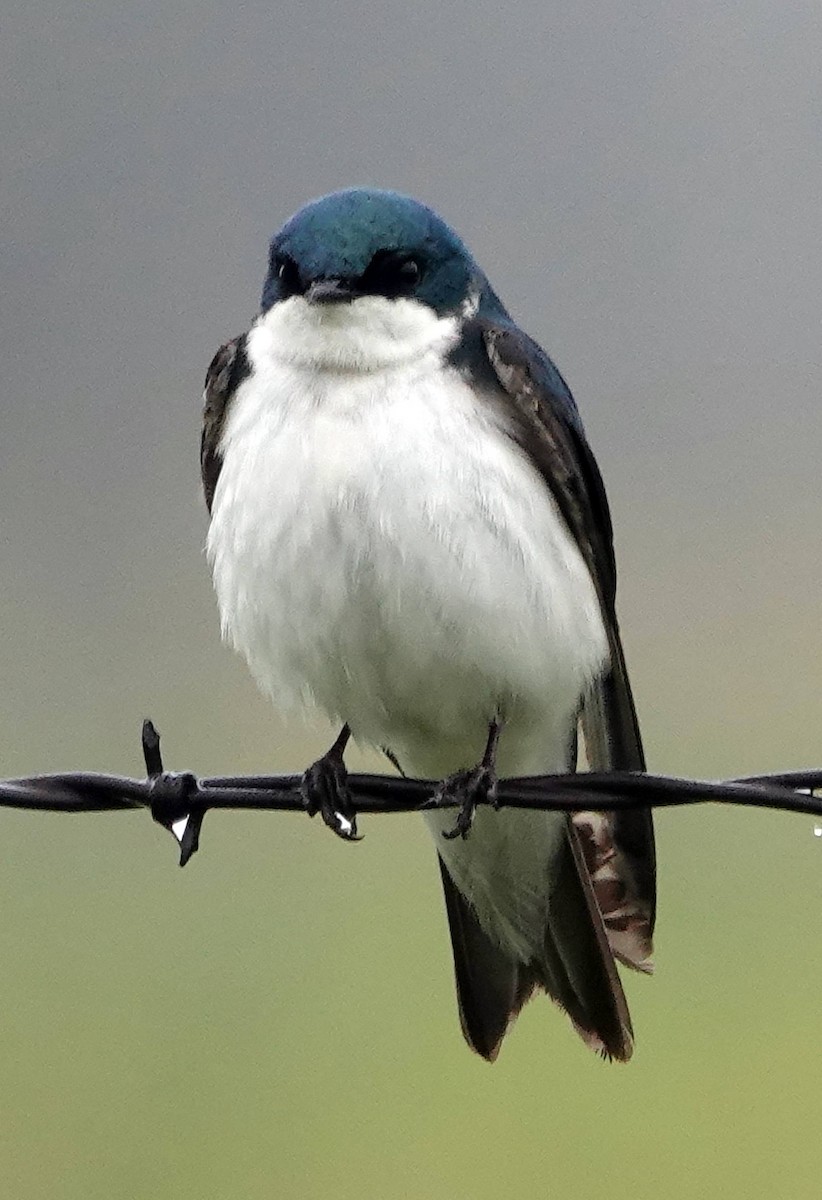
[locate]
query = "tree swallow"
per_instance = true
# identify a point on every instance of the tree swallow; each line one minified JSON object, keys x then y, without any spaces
{"x":409,"y":532}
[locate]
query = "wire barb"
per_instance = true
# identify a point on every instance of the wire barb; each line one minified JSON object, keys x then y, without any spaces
{"x":172,"y":796}
{"x":150,"y":738}
{"x":179,"y":800}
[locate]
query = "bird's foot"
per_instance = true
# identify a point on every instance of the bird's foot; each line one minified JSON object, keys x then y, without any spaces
{"x":470,"y":788}
{"x":325,"y":791}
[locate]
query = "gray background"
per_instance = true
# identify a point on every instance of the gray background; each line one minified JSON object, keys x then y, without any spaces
{"x":642,"y":184}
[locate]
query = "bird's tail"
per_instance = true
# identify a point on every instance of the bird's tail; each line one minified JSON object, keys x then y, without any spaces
{"x":575,"y":966}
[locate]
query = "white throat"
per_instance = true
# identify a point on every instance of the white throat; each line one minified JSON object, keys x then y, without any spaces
{"x":368,"y":334}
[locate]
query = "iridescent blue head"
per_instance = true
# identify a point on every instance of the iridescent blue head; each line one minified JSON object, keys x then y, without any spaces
{"x":366,"y":242}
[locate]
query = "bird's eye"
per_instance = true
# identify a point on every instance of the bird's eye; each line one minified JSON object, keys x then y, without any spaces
{"x":391,"y":274}
{"x":408,"y":272}
{"x":288,"y":273}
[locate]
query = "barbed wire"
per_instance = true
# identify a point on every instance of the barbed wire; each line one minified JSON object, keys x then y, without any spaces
{"x":179,"y":800}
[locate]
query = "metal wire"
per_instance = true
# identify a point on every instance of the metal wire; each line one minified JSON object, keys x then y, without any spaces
{"x":179,"y":801}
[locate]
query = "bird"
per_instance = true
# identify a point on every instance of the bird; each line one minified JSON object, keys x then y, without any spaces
{"x":409,"y":533}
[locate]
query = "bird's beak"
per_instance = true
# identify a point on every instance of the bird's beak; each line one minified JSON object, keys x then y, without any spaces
{"x":329,"y":291}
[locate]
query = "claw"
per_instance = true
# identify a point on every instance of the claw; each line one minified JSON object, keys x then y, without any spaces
{"x":325,"y":791}
{"x":472,"y":787}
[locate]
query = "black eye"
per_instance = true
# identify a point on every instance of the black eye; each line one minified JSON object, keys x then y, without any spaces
{"x":391,"y":274}
{"x":408,"y":272}
{"x":288,"y":274}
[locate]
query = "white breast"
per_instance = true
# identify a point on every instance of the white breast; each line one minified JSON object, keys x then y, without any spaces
{"x":382,"y":548}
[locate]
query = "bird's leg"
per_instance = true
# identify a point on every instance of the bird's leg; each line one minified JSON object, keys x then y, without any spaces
{"x":325,"y":790}
{"x":476,"y":785}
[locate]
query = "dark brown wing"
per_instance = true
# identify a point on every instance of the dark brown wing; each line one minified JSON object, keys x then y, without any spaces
{"x":229,"y":367}
{"x":618,"y":847}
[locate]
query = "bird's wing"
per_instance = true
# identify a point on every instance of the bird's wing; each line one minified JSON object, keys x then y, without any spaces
{"x":228,"y":368}
{"x":618,"y":847}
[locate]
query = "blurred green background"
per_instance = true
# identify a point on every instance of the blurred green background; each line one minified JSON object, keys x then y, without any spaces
{"x":642,"y":184}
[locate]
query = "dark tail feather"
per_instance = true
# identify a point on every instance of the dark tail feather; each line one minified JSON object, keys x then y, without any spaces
{"x":491,"y":987}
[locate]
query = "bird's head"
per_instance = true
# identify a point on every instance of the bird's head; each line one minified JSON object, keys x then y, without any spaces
{"x":364,"y":242}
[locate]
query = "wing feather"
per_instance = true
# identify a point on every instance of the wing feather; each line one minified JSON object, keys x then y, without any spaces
{"x":618,"y":847}
{"x":228,"y":368}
